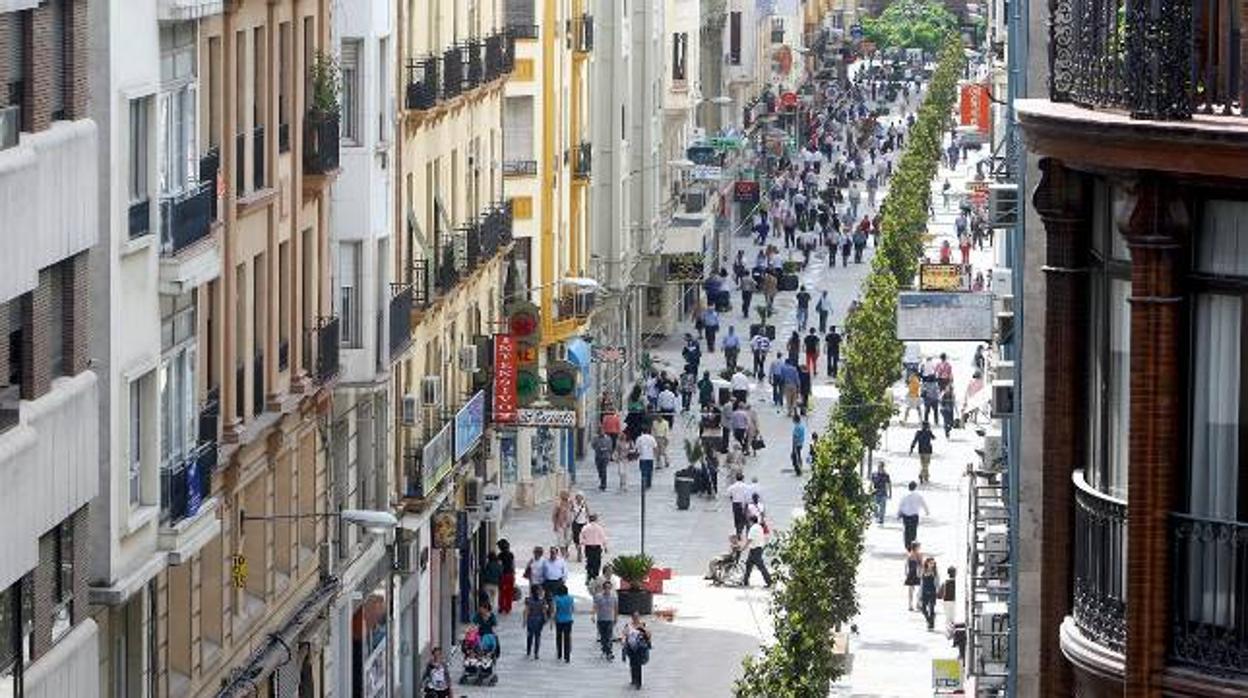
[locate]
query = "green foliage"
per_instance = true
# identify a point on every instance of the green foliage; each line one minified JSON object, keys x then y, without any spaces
{"x":632,"y":568}
{"x":924,"y":24}
{"x":818,"y":557}
{"x":326,"y":85}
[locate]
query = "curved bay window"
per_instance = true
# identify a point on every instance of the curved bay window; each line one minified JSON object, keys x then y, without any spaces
{"x":1211,"y":537}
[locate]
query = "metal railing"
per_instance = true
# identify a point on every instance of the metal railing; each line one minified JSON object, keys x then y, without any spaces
{"x":1210,"y":607}
{"x":499,"y":55}
{"x":240,"y":161}
{"x":186,"y":218}
{"x":523,"y":31}
{"x":582,"y":160}
{"x":475,"y":74}
{"x":452,"y":72}
{"x":320,"y":143}
{"x":185,"y":484}
{"x":328,"y":336}
{"x":258,"y":174}
{"x":1155,"y":59}
{"x":583,"y":33}
{"x":209,"y":170}
{"x":400,"y":319}
{"x":1100,"y":563}
{"x":423,"y":85}
{"x":257,"y":384}
{"x":422,"y":284}
{"x":495,"y":229}
{"x":140,"y":223}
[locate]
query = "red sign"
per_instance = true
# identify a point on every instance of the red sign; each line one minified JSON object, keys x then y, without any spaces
{"x":505,"y":401}
{"x":745,"y":192}
{"x":976,"y":106}
{"x":788,"y":100}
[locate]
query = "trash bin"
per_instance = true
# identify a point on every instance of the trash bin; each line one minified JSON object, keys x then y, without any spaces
{"x":684,"y":488}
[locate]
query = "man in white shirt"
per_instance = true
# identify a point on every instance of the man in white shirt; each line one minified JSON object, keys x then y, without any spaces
{"x":554,"y":572}
{"x":646,"y":447}
{"x":908,"y":510}
{"x":739,"y":493}
{"x":755,"y":539}
{"x":740,"y":386}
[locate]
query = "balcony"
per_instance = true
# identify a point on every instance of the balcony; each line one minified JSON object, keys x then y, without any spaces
{"x":1152,"y":59}
{"x":401,"y":303}
{"x":187,"y":520}
{"x":186,"y":217}
{"x":328,"y":338}
{"x":475,"y":60}
{"x":183,"y":10}
{"x":1210,"y":579}
{"x":257,"y":145}
{"x":257,"y":385}
{"x":520,"y":168}
{"x":575,"y":304}
{"x":583,"y":34}
{"x":209,"y":170}
{"x":452,"y":73}
{"x":240,"y":169}
{"x":140,"y":218}
{"x":320,"y":144}
{"x":422,"y":83}
{"x":495,"y":229}
{"x":582,"y":161}
{"x":422,"y":285}
{"x":499,"y":55}
{"x":445,"y":273}
{"x":523,"y":31}
{"x":1100,"y":566}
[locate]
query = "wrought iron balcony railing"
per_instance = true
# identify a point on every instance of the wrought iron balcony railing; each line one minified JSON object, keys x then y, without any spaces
{"x":185,"y":484}
{"x":209,"y":170}
{"x":583,"y":34}
{"x":258,"y":174}
{"x":519,"y":168}
{"x":474,"y":52}
{"x":1100,"y":562}
{"x":400,"y":319}
{"x":452,"y":72}
{"x":1210,"y":607}
{"x":1154,"y":59}
{"x":523,"y":31}
{"x":328,"y":336}
{"x":320,"y":143}
{"x":186,"y":218}
{"x":140,"y":216}
{"x":422,"y":284}
{"x":423,"y":85}
{"x":582,"y":160}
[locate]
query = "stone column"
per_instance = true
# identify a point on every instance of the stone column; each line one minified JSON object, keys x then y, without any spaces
{"x":1063,"y":199}
{"x":1155,"y":221}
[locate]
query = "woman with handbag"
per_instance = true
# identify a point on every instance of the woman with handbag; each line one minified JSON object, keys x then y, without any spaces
{"x":637,"y":643}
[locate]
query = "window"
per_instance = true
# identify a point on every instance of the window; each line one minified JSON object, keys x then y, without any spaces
{"x":136,"y":442}
{"x":214,"y":91}
{"x":734,"y":38}
{"x":63,"y":579}
{"x":1109,"y":384}
{"x":283,"y":80}
{"x":383,"y":89}
{"x":177,"y":108}
{"x":680,"y":46}
{"x":138,"y":150}
{"x":17,"y":633}
{"x":349,"y":293}
{"x":12,"y":76}
{"x":777,"y":30}
{"x":179,"y":419}
{"x":517,"y":133}
{"x":351,"y":97}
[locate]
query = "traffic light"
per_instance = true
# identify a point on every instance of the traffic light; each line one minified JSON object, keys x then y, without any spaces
{"x":561,"y":384}
{"x":524,"y":324}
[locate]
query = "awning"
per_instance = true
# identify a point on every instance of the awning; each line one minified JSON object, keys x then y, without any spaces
{"x":685,"y":233}
{"x":580,"y":354}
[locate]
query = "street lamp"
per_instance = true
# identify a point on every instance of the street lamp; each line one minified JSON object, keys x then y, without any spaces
{"x":373,"y":521}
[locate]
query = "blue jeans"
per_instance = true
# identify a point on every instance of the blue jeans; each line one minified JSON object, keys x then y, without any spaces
{"x":647,"y":470}
{"x":801,"y":318}
{"x":881,"y":502}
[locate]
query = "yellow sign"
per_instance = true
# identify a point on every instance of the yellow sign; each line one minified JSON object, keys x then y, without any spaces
{"x":238,"y":571}
{"x":946,"y":676}
{"x":941,"y":277}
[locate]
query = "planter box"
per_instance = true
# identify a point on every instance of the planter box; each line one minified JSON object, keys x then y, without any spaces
{"x":792,"y":266}
{"x":788,"y":282}
{"x":635,"y":600}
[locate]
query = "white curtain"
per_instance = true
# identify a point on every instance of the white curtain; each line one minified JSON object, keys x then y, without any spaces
{"x":1213,"y":478}
{"x":1119,"y":430}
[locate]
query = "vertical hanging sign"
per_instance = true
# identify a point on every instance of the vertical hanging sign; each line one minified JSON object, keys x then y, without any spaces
{"x":505,"y":402}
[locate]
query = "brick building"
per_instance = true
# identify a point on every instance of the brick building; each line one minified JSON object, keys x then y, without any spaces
{"x":1134,"y":480}
{"x":48,"y":393}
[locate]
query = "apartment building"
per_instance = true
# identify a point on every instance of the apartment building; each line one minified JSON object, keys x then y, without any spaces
{"x":682,"y":95}
{"x":49,"y":438}
{"x":451,"y":248}
{"x":219,"y":344}
{"x":375,"y":315}
{"x":1134,"y":512}
{"x":547,"y":167}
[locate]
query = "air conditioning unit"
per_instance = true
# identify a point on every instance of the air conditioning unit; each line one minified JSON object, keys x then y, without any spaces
{"x":407,"y":553}
{"x":1003,"y":370}
{"x":1003,"y":399}
{"x":431,"y":391}
{"x":1002,"y":281}
{"x":468,"y":358}
{"x":996,"y":547}
{"x":994,"y":453}
{"x":410,"y":410}
{"x":472,"y":492}
{"x":1003,"y":205}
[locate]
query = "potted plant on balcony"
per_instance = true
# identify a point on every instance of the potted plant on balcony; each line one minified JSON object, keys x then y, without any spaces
{"x":321,"y":128}
{"x":633,"y":595}
{"x":326,"y":87}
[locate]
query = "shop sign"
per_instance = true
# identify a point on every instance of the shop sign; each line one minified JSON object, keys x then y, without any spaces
{"x":238,"y":571}
{"x":610,"y":354}
{"x":726,"y":142}
{"x":505,"y":400}
{"x":436,"y":460}
{"x":706,"y":173}
{"x":546,"y":418}
{"x":946,"y":676}
{"x":941,"y":277}
{"x":469,"y":424}
{"x":788,"y":100}
{"x":746,"y":192}
{"x":444,"y":528}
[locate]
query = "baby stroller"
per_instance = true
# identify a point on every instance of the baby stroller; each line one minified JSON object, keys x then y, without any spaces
{"x":728,"y":569}
{"x":480,"y":652}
